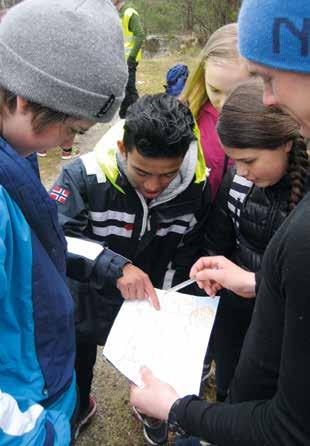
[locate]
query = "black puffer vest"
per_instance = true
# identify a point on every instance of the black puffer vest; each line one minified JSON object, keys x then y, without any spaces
{"x":243,"y":221}
{"x":256,"y":219}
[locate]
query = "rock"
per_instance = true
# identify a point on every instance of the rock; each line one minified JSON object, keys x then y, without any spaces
{"x":152,"y":45}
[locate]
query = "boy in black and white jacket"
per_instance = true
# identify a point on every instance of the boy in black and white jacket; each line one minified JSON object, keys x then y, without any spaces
{"x":141,"y":196}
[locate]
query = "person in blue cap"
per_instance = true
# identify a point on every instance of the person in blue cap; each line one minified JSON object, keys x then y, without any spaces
{"x":268,"y":401}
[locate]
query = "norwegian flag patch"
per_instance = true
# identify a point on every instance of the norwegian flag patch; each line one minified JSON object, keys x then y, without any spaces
{"x":59,"y":194}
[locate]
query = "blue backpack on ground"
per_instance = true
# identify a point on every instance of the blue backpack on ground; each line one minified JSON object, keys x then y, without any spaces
{"x":176,"y":78}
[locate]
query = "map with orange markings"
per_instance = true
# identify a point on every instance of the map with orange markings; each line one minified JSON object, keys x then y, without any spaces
{"x":172,"y":342}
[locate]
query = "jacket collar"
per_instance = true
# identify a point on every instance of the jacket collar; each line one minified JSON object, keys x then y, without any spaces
{"x":19,"y":177}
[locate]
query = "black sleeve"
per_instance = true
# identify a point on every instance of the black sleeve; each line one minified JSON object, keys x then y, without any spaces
{"x":275,"y":359}
{"x":258,"y":277}
{"x":220,"y":237}
{"x":218,"y":423}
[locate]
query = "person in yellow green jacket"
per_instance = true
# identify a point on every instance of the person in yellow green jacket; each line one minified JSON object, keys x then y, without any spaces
{"x":134,"y":37}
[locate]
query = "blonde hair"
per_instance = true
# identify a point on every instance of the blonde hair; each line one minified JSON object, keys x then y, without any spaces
{"x":221,"y":47}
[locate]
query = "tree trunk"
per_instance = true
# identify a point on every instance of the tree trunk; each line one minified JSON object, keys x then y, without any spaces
{"x":189,"y":16}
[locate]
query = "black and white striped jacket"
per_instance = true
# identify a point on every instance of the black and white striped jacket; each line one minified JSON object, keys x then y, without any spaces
{"x":162,"y":239}
{"x":244,"y":219}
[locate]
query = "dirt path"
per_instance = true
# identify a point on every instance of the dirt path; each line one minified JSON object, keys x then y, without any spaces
{"x":51,"y":165}
{"x":114,"y":424}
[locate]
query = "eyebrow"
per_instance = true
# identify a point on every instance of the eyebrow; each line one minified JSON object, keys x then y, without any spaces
{"x":261,"y":74}
{"x":257,"y":72}
{"x":249,"y":158}
{"x":80,"y":130}
{"x":149,"y":173}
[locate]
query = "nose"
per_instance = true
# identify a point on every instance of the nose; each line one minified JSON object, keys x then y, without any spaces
{"x":68,"y":142}
{"x":242,"y":169}
{"x":268,"y":96}
{"x":152,"y":184}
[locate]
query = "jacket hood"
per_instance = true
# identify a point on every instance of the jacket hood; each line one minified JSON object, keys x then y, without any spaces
{"x":179,"y":183}
{"x":113,"y":164}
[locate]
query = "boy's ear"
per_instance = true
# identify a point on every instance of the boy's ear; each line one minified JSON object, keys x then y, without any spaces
{"x":121,"y":148}
{"x":21,"y":104}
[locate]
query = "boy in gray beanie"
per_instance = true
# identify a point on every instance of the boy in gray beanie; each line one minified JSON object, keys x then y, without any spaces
{"x":62,"y":68}
{"x":80,"y":68}
{"x":268,"y":401}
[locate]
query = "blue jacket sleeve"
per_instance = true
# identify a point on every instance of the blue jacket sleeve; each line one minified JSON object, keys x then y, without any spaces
{"x":22,"y":422}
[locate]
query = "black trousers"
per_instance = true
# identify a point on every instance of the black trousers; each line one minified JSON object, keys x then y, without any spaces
{"x":131,"y":93}
{"x":84,"y":364}
{"x":230,"y":326}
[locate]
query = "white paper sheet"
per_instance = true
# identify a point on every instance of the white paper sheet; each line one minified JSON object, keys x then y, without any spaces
{"x":172,"y":342}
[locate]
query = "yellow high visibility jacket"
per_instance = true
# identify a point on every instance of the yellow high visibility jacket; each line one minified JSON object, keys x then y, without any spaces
{"x":128,"y":35}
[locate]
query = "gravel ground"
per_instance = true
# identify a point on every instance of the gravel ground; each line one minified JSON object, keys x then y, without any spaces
{"x":114,"y":424}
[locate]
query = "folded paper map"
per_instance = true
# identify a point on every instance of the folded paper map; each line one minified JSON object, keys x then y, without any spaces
{"x":172,"y":342}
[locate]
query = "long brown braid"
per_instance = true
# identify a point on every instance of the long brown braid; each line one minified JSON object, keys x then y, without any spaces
{"x":245,"y":122}
{"x":298,"y":171}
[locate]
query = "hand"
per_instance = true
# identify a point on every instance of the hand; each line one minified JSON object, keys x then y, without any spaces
{"x":135,"y":284}
{"x":155,"y":398}
{"x":215,"y":273}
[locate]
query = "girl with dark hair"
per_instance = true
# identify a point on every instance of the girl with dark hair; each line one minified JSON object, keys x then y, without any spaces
{"x":271,"y":177}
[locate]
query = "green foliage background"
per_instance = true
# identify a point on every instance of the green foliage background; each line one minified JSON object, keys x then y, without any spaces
{"x":179,"y":16}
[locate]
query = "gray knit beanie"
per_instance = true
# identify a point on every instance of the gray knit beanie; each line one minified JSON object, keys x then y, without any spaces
{"x":67,"y":55}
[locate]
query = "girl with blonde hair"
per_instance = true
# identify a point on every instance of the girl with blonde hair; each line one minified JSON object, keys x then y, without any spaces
{"x":218,"y":71}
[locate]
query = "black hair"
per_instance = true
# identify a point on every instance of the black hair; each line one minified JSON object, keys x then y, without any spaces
{"x":159,"y":126}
